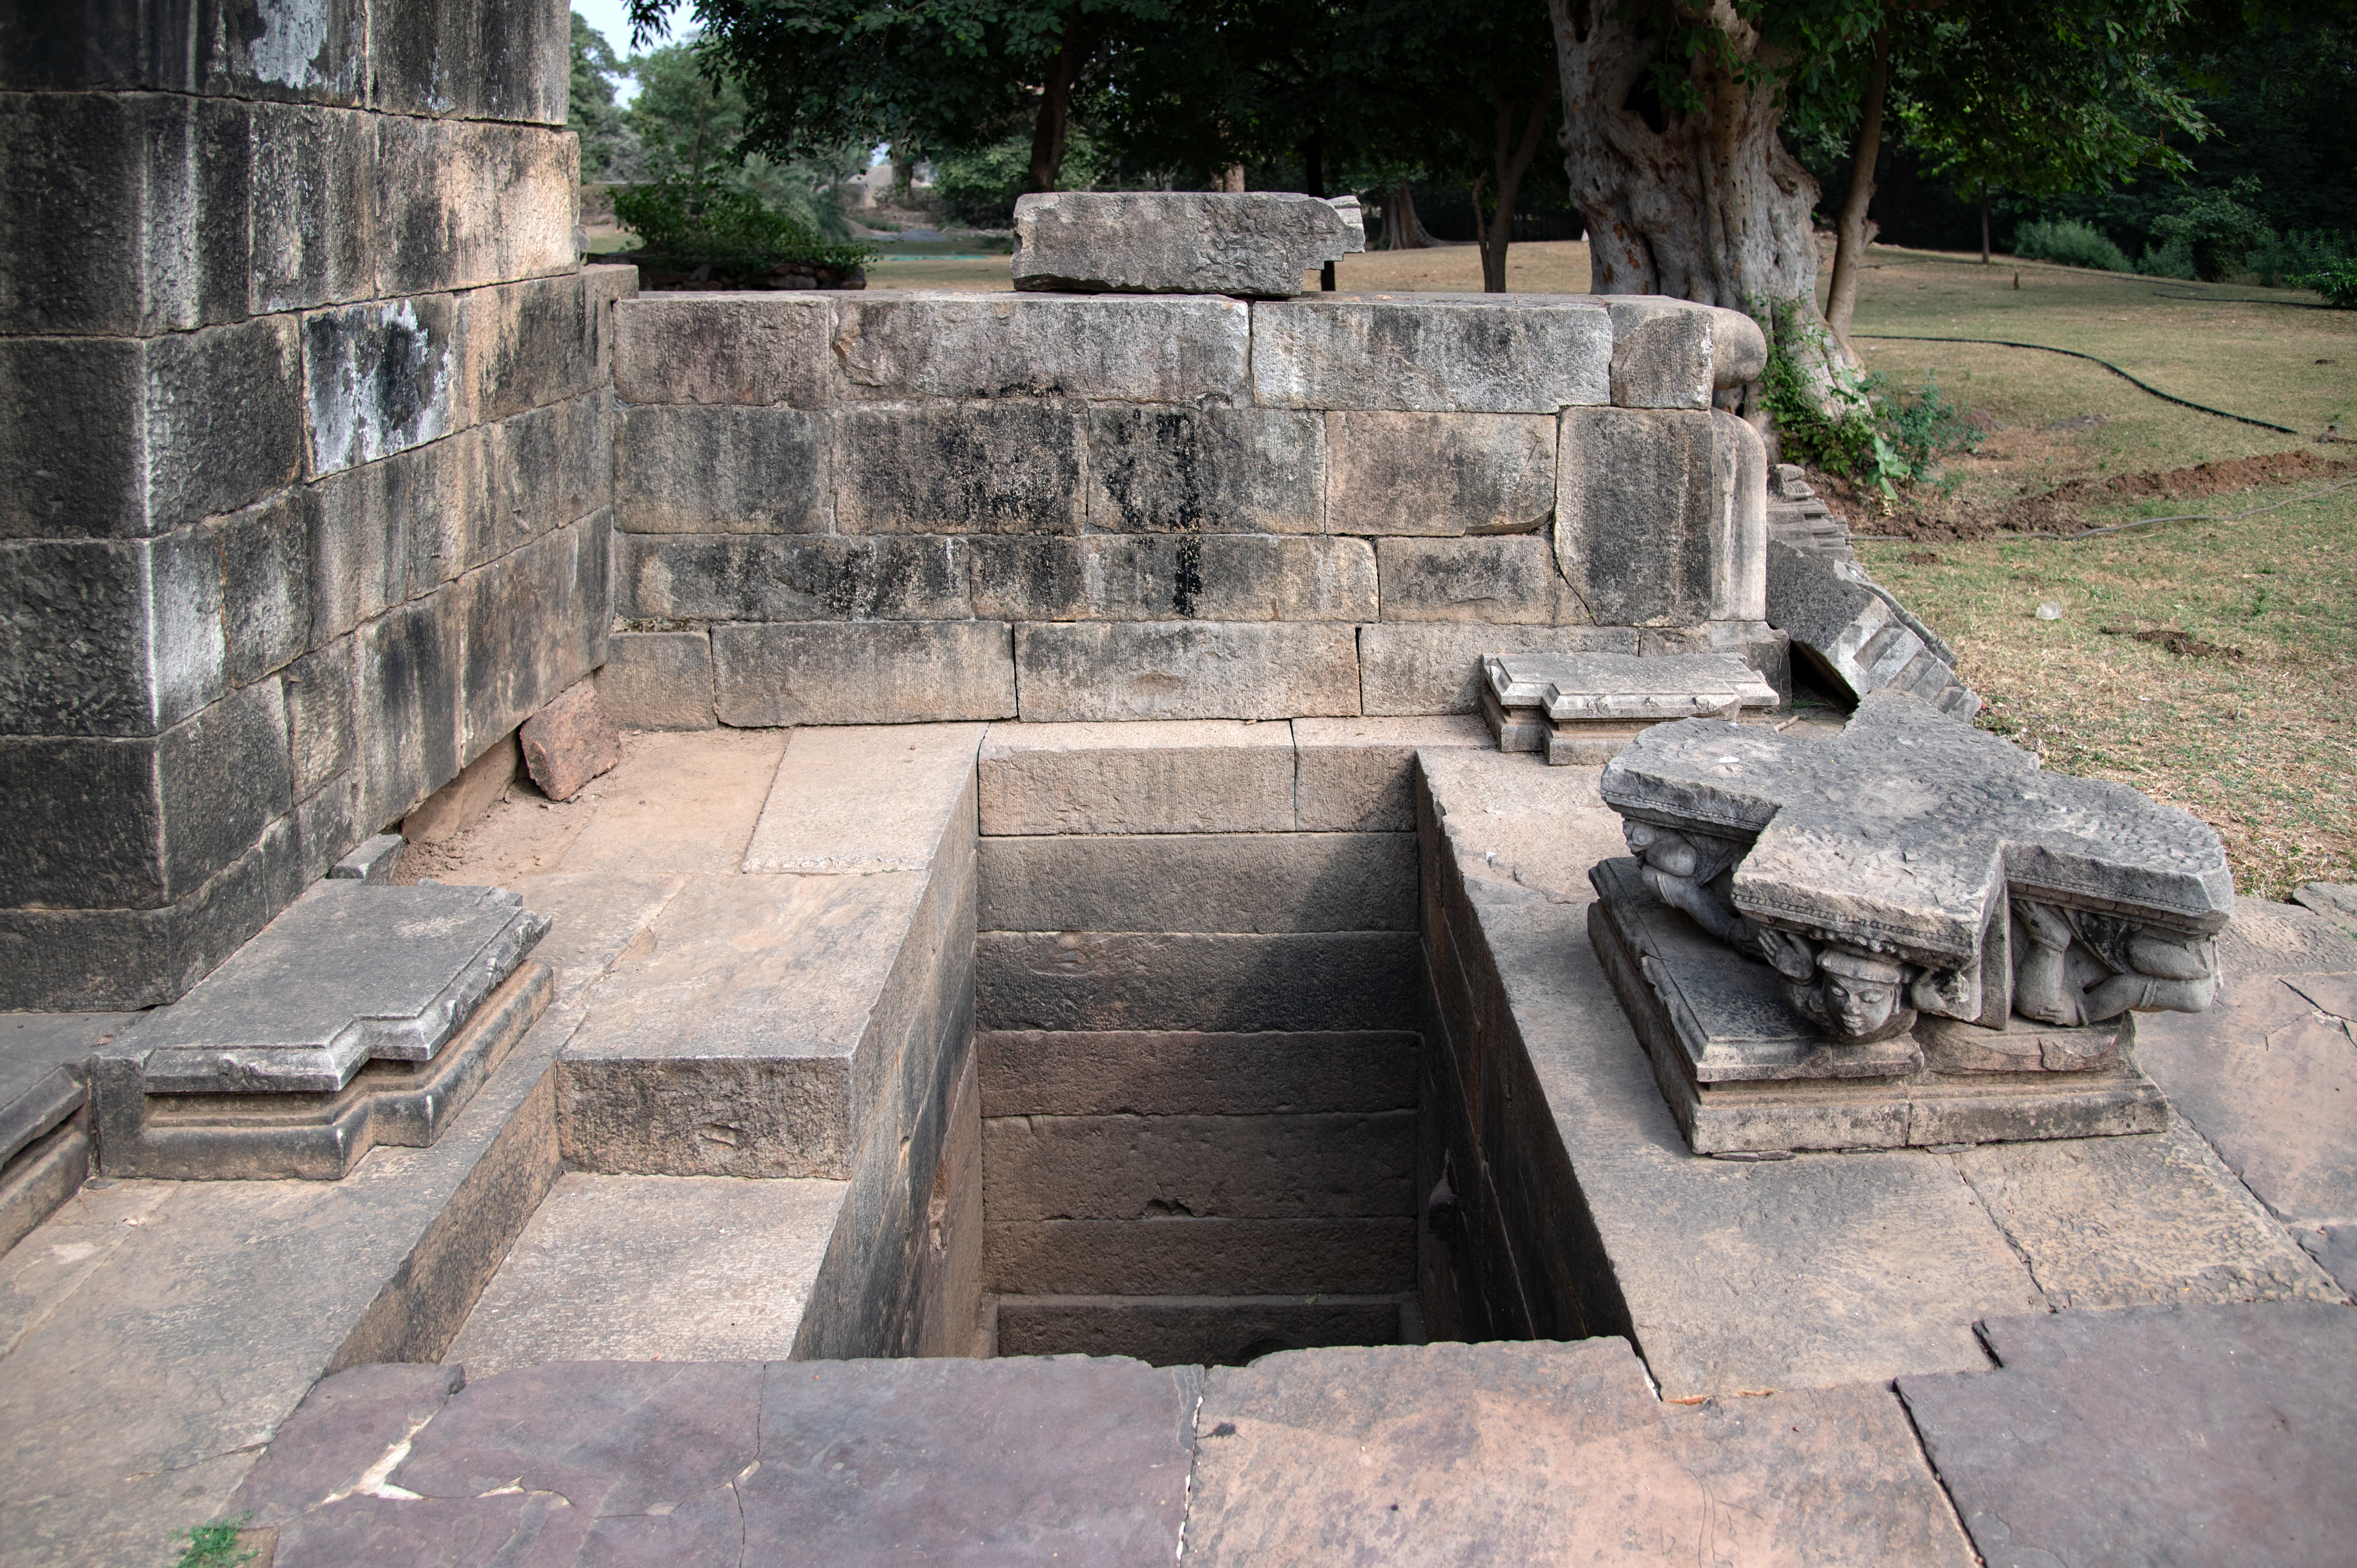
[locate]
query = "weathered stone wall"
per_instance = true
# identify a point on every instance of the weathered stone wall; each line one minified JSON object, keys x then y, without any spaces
{"x":903,"y":506}
{"x":305,"y":451}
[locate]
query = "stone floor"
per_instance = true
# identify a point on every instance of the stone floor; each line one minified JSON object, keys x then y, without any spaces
{"x":1441,"y":1453}
{"x":1825,"y":1359}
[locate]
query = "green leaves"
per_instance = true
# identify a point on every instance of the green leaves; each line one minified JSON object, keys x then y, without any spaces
{"x":697,"y":218}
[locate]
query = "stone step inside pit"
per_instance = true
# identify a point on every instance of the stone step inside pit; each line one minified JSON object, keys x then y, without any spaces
{"x":1585,"y":708}
{"x":44,"y":1126}
{"x":1197,"y":987}
{"x":1849,"y":630}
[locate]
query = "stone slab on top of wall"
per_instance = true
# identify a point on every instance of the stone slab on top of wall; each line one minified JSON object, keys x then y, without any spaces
{"x":1255,"y":243}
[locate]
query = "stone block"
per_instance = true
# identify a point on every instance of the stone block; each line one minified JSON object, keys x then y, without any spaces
{"x":1496,"y":581}
{"x":1199,"y":1257}
{"x":2153,"y":1435}
{"x":265,"y":564}
{"x":540,"y":470}
{"x":379,"y":379}
{"x":534,"y":622}
{"x":1497,"y":1451}
{"x":126,"y":214}
{"x":604,"y":286}
{"x":1138,"y":670}
{"x":1432,"y":353}
{"x":344,"y":1425}
{"x":365,"y":523}
{"x":879,"y":672}
{"x":855,"y":801}
{"x":141,"y":824}
{"x":1181,"y":777}
{"x":701,"y":470}
{"x":318,"y":689}
{"x":375,"y":860}
{"x":957,"y":468}
{"x":1408,"y":668}
{"x":523,"y":345}
{"x":1146,"y":1073}
{"x":461,"y":203}
{"x":789,"y":577}
{"x":1661,"y":354}
{"x":448,"y":57}
{"x":104,"y":637}
{"x":894,"y":345}
{"x":569,"y":742}
{"x":406,"y":705}
{"x":1633,"y":514}
{"x":757,"y":349}
{"x":1186,"y":578}
{"x":1438,"y":474}
{"x":84,"y":959}
{"x":317,"y":54}
{"x":658,"y":680}
{"x":313,"y":205}
{"x":1353,"y":774}
{"x":1154,"y":469}
{"x":1738,"y":531}
{"x":1200,"y":882}
{"x":1205,"y":1330}
{"x":744,"y":1036}
{"x":1329,"y":1164}
{"x":324,"y":830}
{"x":467,"y":798}
{"x":1096,"y":979}
{"x":1255,"y":244}
{"x":112,"y":437}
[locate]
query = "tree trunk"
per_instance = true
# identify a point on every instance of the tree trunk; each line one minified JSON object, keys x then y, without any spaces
{"x":1402,"y":229}
{"x":1232,"y":178}
{"x":1508,"y":162}
{"x":1985,"y":244}
{"x":1709,"y":206}
{"x":1854,"y":231}
{"x":1051,"y":128}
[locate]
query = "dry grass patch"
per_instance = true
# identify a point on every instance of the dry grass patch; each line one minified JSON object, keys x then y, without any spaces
{"x":2211,"y":665}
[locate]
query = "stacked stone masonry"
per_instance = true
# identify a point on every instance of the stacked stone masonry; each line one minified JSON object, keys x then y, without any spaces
{"x":912,"y":507}
{"x":306,"y":456}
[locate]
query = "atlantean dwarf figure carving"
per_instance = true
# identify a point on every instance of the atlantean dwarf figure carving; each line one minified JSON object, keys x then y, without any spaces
{"x":1912,"y":901}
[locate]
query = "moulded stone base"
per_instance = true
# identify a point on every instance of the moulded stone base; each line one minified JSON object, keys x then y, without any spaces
{"x":311,"y":1137}
{"x":1915,"y":1110}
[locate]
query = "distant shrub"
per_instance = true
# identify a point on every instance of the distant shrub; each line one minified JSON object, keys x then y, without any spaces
{"x":2337,"y":282}
{"x":2172,"y":259}
{"x":2220,"y":229}
{"x":699,"y":219}
{"x":1855,"y":426}
{"x":2071,"y":242}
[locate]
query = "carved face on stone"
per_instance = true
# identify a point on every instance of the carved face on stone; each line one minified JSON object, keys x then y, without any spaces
{"x":1667,"y":853}
{"x":1861,"y":994}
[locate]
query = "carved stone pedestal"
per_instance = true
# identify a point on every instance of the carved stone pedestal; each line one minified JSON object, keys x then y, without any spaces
{"x":1744,"y":1074}
{"x":363,"y":1014}
{"x":1583,"y":709}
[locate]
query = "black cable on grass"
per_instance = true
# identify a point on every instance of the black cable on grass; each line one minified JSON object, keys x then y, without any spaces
{"x":2049,"y":348}
{"x":2139,"y":522}
{"x":2222,"y":299}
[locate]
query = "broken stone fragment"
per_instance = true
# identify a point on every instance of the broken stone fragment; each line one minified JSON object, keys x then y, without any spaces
{"x":570,"y":742}
{"x":1257,"y":244}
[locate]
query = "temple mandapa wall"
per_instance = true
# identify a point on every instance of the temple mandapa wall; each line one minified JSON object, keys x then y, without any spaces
{"x":305,"y":453}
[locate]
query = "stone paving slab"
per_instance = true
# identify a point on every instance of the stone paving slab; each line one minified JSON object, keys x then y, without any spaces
{"x":2163,"y":1435}
{"x":1070,"y":1459}
{"x":864,"y":799}
{"x":654,"y":1268}
{"x":2270,"y":1078}
{"x":156,"y":1333}
{"x":1541,"y":1452}
{"x":685,"y":806}
{"x":2336,"y":901}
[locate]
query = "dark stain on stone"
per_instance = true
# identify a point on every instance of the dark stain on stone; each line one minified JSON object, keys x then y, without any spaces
{"x":1187,"y":578}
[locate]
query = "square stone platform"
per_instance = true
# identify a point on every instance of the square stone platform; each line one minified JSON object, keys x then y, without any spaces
{"x":1744,"y":1074}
